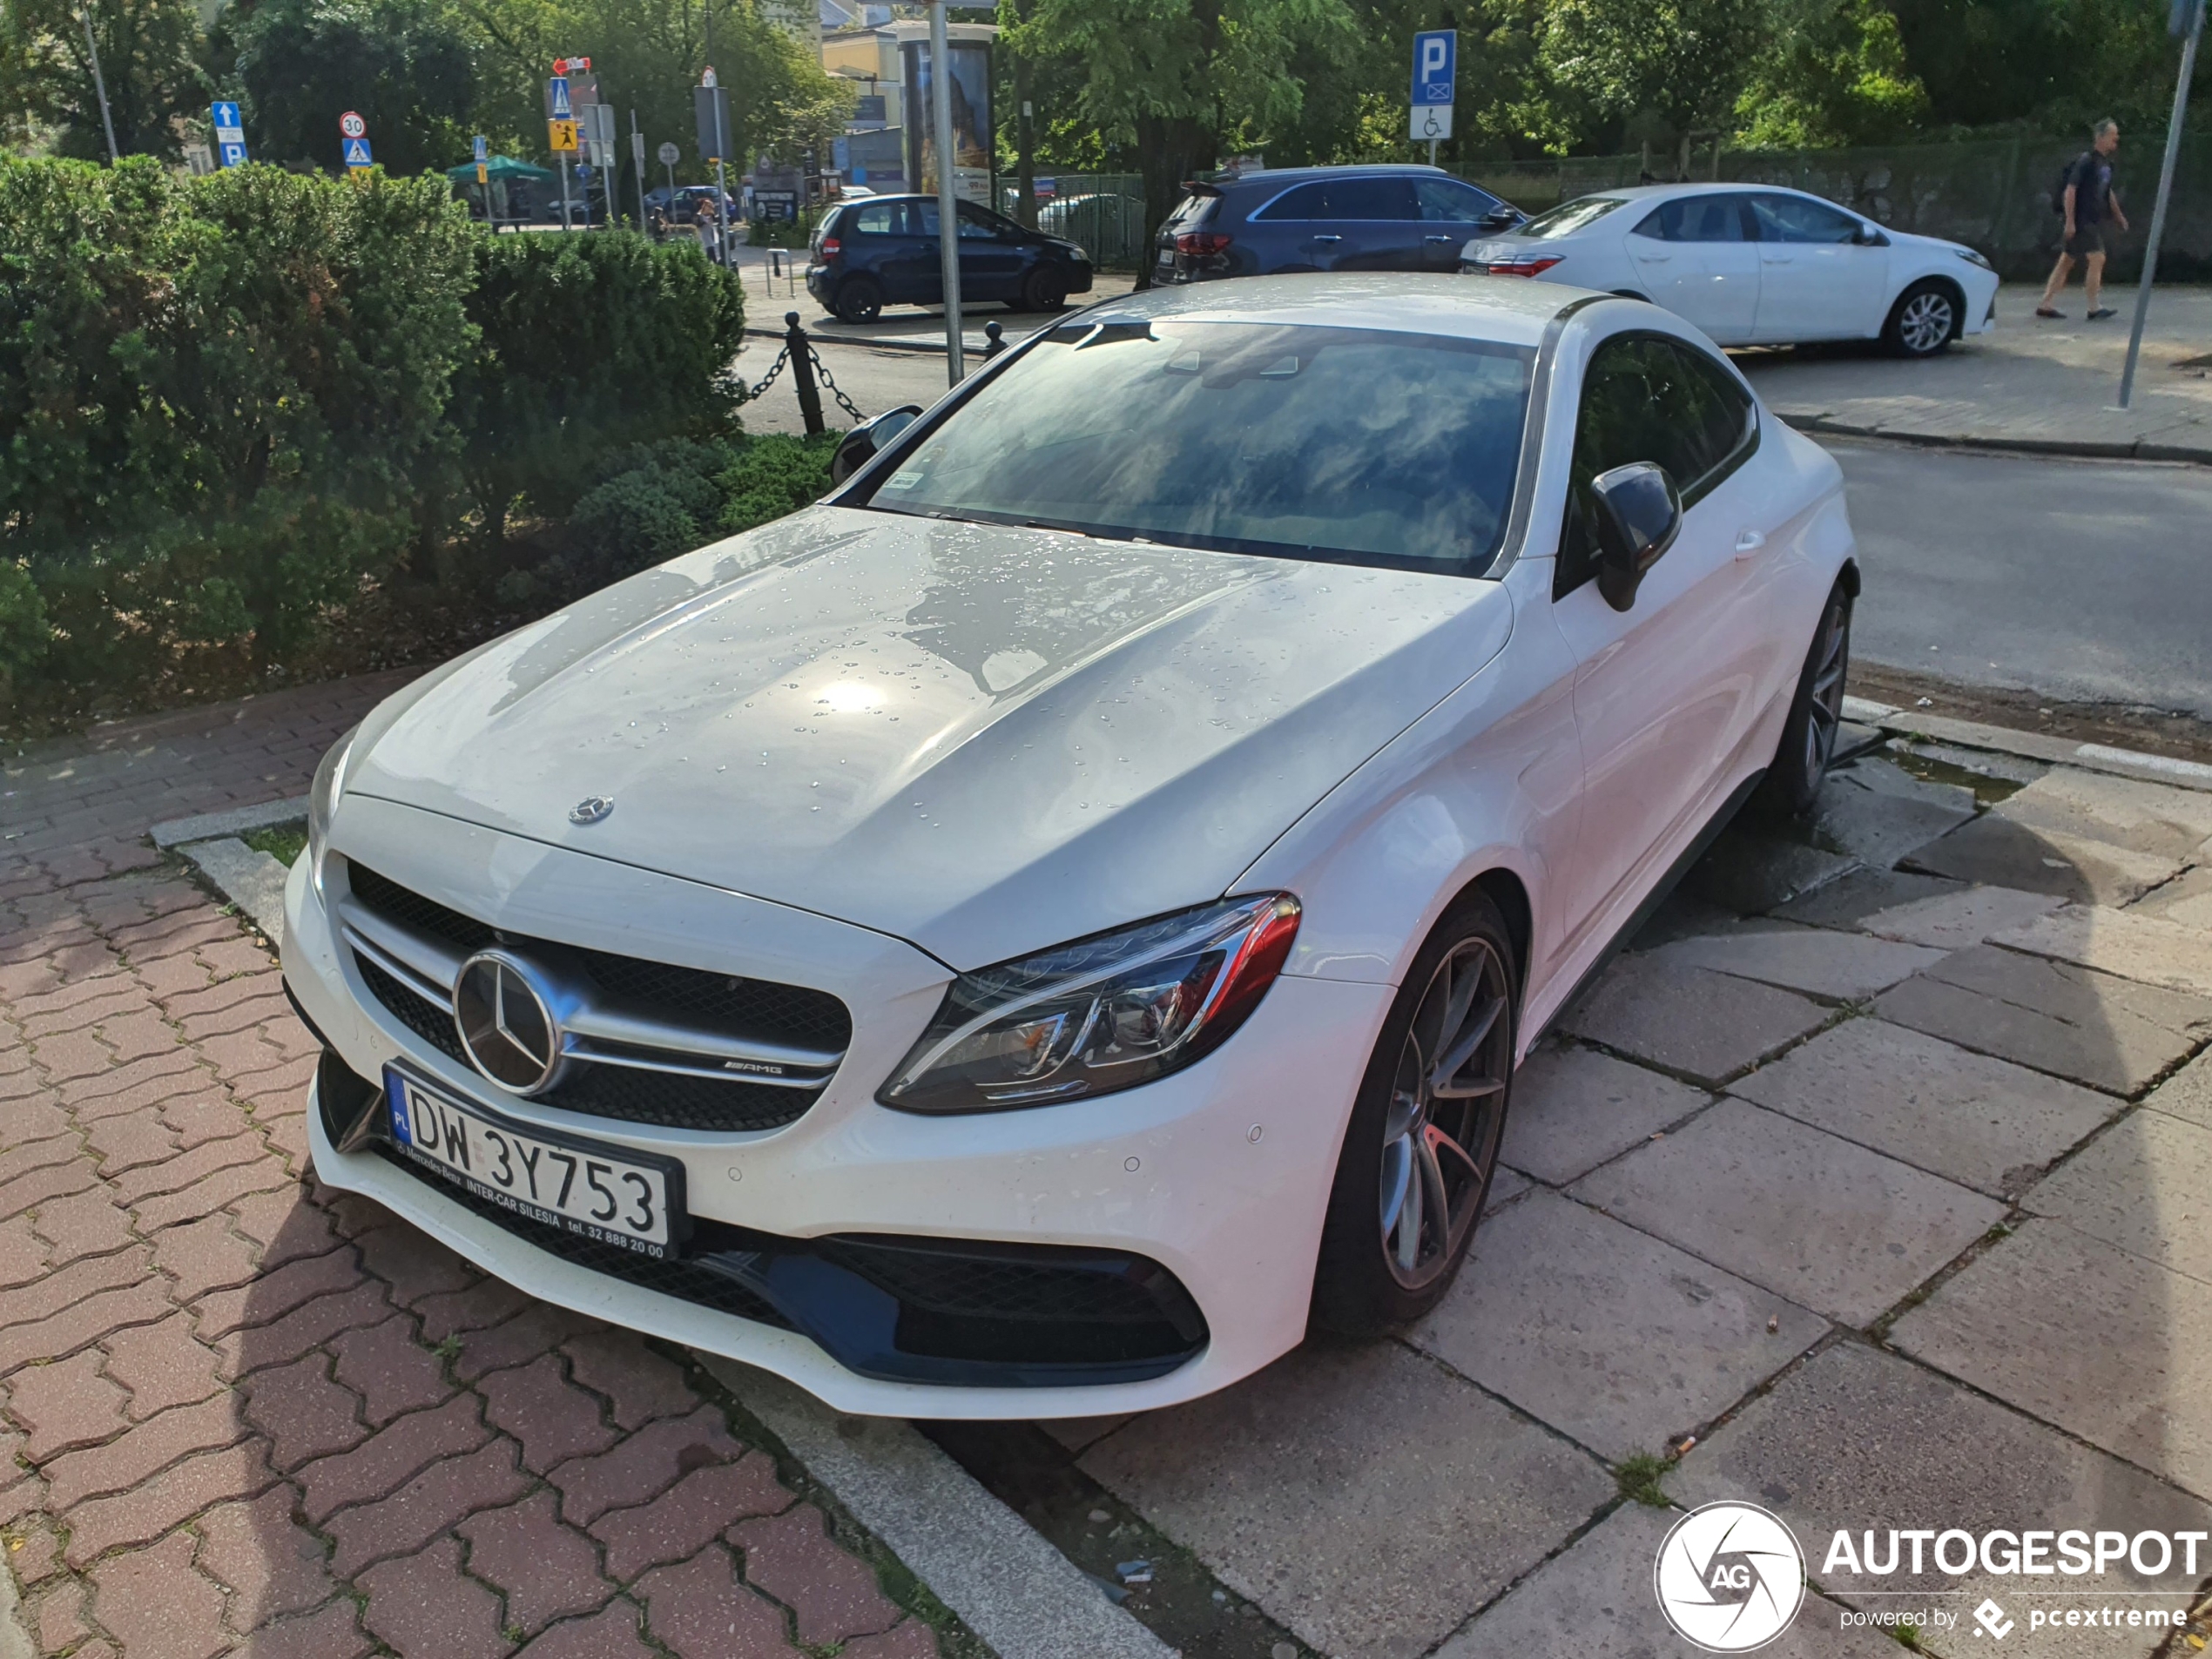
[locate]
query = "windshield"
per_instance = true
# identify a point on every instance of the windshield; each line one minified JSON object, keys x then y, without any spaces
{"x":1569,"y":217}
{"x":1340,"y":444}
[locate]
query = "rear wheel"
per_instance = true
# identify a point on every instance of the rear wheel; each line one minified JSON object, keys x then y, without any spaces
{"x":859,"y":300}
{"x":1924,"y":320}
{"x":1816,"y":712}
{"x":1043,"y":289}
{"x":1423,"y":1141}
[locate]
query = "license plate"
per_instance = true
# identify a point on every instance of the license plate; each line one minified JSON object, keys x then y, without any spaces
{"x":605,"y":1193}
{"x":1166,"y":259}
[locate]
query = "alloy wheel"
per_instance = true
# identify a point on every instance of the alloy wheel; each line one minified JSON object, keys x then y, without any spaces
{"x":1825,"y":704}
{"x":1446,"y":1106}
{"x":1926,"y":323}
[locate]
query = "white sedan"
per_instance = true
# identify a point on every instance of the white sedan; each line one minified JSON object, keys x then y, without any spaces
{"x":1032,"y":933}
{"x":1753,"y":265}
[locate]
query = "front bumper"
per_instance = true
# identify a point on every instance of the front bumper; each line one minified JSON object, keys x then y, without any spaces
{"x":1219,"y":1174}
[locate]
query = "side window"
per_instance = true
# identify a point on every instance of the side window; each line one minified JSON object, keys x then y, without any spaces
{"x":876,"y":220}
{"x":922,"y":218}
{"x":1452,"y":202}
{"x":1308,"y":201}
{"x":1365,"y":197}
{"x":1799,"y":218}
{"x":1696,"y":219}
{"x":1647,"y":398}
{"x":974,"y":227}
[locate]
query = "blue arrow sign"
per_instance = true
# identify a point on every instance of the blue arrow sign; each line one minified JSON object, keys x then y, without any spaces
{"x":557,"y":92}
{"x":226,"y":119}
{"x":484,"y":148}
{"x":357,"y":153}
{"x":1436,"y":63}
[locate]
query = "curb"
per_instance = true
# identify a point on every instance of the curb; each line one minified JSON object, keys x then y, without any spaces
{"x":2084,"y":448}
{"x":238,"y":821}
{"x":15,"y":1637}
{"x":1008,"y":1585}
{"x":2031,"y":745}
{"x":249,"y":878}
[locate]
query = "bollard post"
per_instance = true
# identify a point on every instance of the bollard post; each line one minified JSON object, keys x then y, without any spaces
{"x":802,"y":372}
{"x":995,"y":332}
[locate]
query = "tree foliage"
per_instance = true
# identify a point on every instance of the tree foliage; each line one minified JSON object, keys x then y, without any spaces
{"x":406,"y":68}
{"x":147,"y":53}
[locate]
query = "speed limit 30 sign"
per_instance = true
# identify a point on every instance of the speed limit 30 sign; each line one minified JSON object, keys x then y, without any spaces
{"x":352,"y":126}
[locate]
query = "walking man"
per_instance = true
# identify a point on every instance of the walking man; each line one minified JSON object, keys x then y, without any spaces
{"x":2087,"y":201}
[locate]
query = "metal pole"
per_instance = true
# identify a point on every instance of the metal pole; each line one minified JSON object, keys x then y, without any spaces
{"x":1431,"y":152}
{"x":802,"y":373}
{"x":100,"y":84}
{"x":638,"y":156}
{"x":941,"y":89}
{"x":721,"y":181}
{"x":2158,"y":212}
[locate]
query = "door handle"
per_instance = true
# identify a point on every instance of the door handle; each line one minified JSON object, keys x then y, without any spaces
{"x":1328,"y":239}
{"x":1780,"y":258}
{"x":1748,"y":542}
{"x":1440,"y":239}
{"x":1653,"y":258}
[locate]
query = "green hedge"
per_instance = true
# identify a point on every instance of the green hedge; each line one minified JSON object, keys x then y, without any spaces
{"x":230,"y":406}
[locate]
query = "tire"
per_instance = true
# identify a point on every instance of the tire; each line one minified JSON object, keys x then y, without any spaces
{"x":1392,"y":1168}
{"x":859,"y":298}
{"x":1043,"y":289}
{"x":1926,"y":318}
{"x":1808,"y":745}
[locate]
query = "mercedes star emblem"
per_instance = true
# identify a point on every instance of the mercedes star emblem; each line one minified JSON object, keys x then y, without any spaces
{"x":505,"y":1025}
{"x":590,"y":809}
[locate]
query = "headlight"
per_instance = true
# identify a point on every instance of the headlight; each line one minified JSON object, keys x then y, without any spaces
{"x":1080,"y":256}
{"x":1973,"y":258}
{"x":322,"y":800}
{"x":1105,"y":1013}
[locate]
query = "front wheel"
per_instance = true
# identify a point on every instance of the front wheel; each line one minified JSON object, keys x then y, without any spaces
{"x":1043,"y":289}
{"x":1423,"y":1141}
{"x":1924,"y":320}
{"x":1816,"y":712}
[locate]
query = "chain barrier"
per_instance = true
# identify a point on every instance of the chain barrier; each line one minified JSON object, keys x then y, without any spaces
{"x":822,"y":370}
{"x":775,"y":368}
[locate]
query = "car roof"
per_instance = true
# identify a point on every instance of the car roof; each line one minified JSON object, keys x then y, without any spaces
{"x":1507,"y":310}
{"x":1278,"y":176}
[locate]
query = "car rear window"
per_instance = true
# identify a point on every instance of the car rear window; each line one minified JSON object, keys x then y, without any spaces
{"x":1569,"y":217}
{"x":1346,"y":445}
{"x":1192,"y":211}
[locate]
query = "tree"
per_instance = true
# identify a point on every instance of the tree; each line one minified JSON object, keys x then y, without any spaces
{"x":1835,"y":74}
{"x":147,"y":50}
{"x":1682,"y":62}
{"x":405,"y":69}
{"x":1176,"y":80}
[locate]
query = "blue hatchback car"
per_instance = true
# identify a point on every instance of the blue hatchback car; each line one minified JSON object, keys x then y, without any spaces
{"x":884,"y":251}
{"x":1326,"y":219}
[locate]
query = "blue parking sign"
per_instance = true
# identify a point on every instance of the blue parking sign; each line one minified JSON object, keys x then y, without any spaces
{"x":484,"y":148}
{"x":1436,"y":63}
{"x":230,"y":134}
{"x":233,"y":155}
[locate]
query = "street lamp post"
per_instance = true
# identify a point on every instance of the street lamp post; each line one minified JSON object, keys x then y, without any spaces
{"x":2188,"y":19}
{"x":100,"y":84}
{"x":940,"y":96}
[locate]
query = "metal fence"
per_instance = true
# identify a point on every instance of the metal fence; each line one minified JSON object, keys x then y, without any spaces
{"x":1994,"y":195}
{"x":1103,"y":211}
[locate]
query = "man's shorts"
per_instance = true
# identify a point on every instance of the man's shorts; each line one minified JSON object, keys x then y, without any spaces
{"x":2087,"y":239}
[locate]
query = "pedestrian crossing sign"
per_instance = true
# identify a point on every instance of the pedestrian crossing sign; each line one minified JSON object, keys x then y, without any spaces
{"x":357,"y":155}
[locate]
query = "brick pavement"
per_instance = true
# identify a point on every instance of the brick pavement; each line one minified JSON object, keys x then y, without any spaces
{"x":245,"y":1413}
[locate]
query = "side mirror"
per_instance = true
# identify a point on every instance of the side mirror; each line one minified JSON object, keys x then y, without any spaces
{"x":1868,"y":236}
{"x":858,"y":447}
{"x":1638,"y":515}
{"x":1501,"y":217}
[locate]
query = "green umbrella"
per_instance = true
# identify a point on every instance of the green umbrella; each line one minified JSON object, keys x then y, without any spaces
{"x":503,"y":170}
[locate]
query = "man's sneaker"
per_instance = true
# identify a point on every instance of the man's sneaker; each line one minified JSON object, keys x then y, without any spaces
{"x":2045,"y":311}
{"x":2101,"y":314}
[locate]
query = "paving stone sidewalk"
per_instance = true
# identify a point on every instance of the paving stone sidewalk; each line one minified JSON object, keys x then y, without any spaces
{"x":1877,"y":1176}
{"x":247,"y":1414}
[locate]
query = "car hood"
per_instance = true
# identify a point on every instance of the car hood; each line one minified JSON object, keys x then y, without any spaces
{"x":982,"y":739}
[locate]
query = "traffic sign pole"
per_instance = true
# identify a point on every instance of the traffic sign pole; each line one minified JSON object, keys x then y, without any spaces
{"x":2188,"y":15}
{"x":638,"y":159}
{"x":941,"y":88}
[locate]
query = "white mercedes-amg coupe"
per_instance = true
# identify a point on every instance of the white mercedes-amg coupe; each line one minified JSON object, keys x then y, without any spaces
{"x":1031,"y":933}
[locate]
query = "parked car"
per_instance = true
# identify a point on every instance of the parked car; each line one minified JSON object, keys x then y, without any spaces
{"x":682,"y":204}
{"x":1022,"y":936}
{"x":870,"y":254}
{"x":1756,"y":265}
{"x":1323,"y":219}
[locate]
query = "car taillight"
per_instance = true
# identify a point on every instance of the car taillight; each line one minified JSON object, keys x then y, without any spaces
{"x":1202,"y":245}
{"x":829,"y":247}
{"x":1535,"y":266}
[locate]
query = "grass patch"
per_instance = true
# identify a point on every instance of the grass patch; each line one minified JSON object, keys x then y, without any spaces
{"x":1639,"y":1476}
{"x":283,"y":842}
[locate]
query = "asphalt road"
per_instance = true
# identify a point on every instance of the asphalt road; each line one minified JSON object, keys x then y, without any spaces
{"x":2079,"y":580}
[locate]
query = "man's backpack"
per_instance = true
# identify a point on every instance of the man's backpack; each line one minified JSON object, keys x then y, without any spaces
{"x":2066,"y":177}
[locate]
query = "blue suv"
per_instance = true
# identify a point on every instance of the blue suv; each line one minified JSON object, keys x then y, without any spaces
{"x":1326,"y":219}
{"x":883,"y":251}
